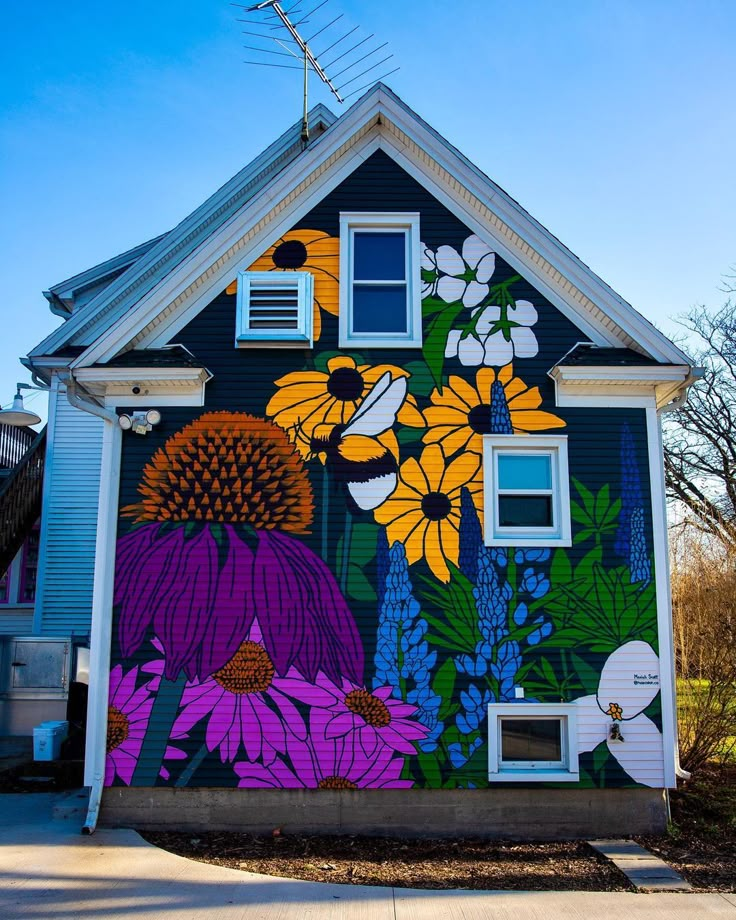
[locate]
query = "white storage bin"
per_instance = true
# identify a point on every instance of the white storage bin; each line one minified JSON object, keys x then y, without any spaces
{"x":47,"y":739}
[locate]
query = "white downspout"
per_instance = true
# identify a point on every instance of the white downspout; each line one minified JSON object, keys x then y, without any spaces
{"x":696,"y":374}
{"x":102,"y":594}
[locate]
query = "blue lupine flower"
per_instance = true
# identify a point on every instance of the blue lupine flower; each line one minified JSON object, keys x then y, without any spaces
{"x":401,"y":637}
{"x":491,"y":599}
{"x":531,"y":555}
{"x":520,"y":614}
{"x":472,"y":666}
{"x":630,"y":539}
{"x":508,"y":662}
{"x":500,"y":415}
{"x":457,"y":757}
{"x":544,"y":630}
{"x":499,"y":555}
{"x":474,"y":705}
{"x":534,"y":583}
{"x":471,"y":537}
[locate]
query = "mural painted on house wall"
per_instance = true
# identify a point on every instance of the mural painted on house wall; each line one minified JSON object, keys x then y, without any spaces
{"x":303,"y":596}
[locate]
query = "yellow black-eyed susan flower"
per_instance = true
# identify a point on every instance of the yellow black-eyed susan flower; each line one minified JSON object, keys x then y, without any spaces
{"x":461,"y":414}
{"x":423,"y":513}
{"x":308,"y":400}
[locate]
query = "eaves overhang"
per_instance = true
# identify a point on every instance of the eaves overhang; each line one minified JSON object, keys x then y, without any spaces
{"x":663,"y":383}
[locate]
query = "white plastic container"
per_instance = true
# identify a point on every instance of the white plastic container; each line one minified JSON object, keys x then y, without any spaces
{"x":47,"y":739}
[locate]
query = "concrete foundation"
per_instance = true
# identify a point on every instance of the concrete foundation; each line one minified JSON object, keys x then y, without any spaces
{"x":517,"y":814}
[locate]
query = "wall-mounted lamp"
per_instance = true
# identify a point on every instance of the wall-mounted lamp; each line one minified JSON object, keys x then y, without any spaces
{"x":140,"y":422}
{"x":16,"y":415}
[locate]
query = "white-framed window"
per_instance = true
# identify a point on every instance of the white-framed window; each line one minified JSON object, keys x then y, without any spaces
{"x":380,"y":291}
{"x":275,"y":308}
{"x":532,"y":742}
{"x":527,"y":490}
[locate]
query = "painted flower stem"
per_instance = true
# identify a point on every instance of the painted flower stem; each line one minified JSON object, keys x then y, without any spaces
{"x":192,"y":767}
{"x":345,"y":562}
{"x":163,"y":713}
{"x":325,"y":511}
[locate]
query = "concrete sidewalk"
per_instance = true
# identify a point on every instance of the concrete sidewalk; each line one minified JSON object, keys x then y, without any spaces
{"x":48,"y":871}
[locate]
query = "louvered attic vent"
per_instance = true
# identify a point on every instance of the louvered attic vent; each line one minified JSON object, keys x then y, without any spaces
{"x":275,"y":308}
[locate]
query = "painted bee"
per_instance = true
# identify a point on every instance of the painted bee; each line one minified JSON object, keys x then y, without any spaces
{"x":358,"y":459}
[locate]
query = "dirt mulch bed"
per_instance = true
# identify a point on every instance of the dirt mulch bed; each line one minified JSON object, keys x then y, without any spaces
{"x":701,"y":844}
{"x":404,"y":863}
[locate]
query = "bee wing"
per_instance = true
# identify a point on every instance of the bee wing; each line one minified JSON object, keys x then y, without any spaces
{"x":369,"y":495}
{"x":380,"y":387}
{"x":380,"y":415}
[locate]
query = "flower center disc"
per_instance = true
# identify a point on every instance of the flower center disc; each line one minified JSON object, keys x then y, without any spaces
{"x":118,"y":728}
{"x":346,"y":384}
{"x":250,"y":670}
{"x":479,"y":418}
{"x":336,"y":782}
{"x":374,"y":711}
{"x":436,"y":506}
{"x":291,"y":254}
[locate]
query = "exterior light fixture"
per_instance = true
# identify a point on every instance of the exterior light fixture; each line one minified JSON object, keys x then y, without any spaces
{"x":16,"y":415}
{"x":140,"y":422}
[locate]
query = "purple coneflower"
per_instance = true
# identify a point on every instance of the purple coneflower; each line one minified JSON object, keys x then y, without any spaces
{"x":213,"y":548}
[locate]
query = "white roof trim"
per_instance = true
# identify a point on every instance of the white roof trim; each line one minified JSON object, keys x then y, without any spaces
{"x":568,"y":283}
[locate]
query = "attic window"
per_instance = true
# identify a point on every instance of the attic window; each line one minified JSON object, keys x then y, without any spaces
{"x":275,"y":309}
{"x":380,"y":302}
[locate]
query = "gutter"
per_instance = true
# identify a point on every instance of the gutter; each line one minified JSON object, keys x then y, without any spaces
{"x":101,"y":630}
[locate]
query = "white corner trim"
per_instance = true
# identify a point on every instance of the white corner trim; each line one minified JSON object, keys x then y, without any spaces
{"x":48,"y":473}
{"x":668,"y":690}
{"x":102,"y":598}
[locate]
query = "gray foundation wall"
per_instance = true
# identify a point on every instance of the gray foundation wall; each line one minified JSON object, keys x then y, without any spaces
{"x":532,"y":814}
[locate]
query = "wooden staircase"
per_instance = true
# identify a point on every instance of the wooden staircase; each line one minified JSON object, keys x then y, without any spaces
{"x":22,"y":459}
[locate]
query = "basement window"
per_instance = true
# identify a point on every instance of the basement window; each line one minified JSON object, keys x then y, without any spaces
{"x":275,"y":309}
{"x":532,"y":742}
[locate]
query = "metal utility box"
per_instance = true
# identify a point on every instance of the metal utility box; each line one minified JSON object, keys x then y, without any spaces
{"x":34,"y":681}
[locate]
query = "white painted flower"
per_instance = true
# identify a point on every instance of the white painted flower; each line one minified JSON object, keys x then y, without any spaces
{"x":430,"y":275}
{"x":465,"y":277}
{"x":628,"y":684}
{"x":488,"y":345}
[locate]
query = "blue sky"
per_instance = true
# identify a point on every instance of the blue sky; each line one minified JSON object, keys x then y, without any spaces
{"x":611,"y":122}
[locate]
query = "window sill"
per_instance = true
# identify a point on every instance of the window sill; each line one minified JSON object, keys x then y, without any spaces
{"x":537,"y":542}
{"x":533,"y":776}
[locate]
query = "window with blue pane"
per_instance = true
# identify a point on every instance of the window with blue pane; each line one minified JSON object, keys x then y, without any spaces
{"x":527,"y":490}
{"x":379,"y":292}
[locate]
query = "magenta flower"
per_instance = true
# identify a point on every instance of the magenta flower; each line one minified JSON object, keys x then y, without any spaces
{"x":246,"y":704}
{"x":320,"y":762}
{"x":128,"y":711}
{"x":373,"y":718}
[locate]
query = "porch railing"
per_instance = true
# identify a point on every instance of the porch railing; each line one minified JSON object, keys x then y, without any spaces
{"x":20,"y":499}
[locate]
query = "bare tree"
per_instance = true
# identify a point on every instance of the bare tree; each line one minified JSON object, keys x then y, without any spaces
{"x":700,"y":437}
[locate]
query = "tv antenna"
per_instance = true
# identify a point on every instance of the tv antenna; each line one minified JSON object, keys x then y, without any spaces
{"x":276,"y":21}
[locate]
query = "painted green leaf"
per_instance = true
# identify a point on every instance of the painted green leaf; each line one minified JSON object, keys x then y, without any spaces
{"x":421,"y":382}
{"x":589,"y":678}
{"x":435,"y":340}
{"x":444,"y":680}
{"x":359,"y":587}
{"x":430,"y":767}
{"x":561,"y":570}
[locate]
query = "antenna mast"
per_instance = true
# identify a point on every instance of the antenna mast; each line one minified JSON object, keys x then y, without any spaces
{"x":276,"y":18}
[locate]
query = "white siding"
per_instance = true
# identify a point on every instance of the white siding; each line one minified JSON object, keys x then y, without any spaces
{"x":69,"y":519}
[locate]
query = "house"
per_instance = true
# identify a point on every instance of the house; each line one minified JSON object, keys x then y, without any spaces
{"x":362,"y":471}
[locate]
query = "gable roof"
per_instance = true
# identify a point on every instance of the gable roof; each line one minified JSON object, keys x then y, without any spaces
{"x":185,"y":269}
